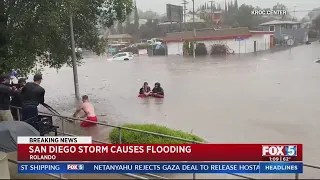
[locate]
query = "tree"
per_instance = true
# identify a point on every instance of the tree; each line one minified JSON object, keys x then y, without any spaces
{"x":147,"y":14}
{"x":279,"y":6}
{"x":225,"y":7}
{"x":244,"y":17}
{"x":151,"y":29}
{"x":236,"y":5}
{"x":128,"y":22}
{"x":218,"y":7}
{"x":112,"y":30}
{"x":120,"y":28}
{"x":231,"y":7}
{"x":316,"y":22}
{"x":38,"y":32}
{"x":136,"y":16}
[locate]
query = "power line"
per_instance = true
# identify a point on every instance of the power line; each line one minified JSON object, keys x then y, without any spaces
{"x":304,"y":10}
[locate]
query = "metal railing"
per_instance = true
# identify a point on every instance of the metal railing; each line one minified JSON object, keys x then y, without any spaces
{"x":120,"y":129}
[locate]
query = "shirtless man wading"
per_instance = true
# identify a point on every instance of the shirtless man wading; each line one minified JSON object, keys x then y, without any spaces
{"x":89,"y":111}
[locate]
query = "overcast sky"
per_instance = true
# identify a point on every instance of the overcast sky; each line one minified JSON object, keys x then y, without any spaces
{"x":159,"y":6}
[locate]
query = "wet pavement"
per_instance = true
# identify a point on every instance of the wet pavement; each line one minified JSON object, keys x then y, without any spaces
{"x":253,"y":98}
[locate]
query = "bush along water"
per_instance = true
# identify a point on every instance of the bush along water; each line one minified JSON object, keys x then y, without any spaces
{"x":132,"y":137}
{"x":201,"y":50}
{"x":188,"y":47}
{"x":219,"y":49}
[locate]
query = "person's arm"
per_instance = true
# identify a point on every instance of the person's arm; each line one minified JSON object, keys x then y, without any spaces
{"x":77,"y":110}
{"x":141,"y":91}
{"x":42,"y":97}
{"x":161,"y":91}
{"x":11,"y":91}
{"x":23,"y":90}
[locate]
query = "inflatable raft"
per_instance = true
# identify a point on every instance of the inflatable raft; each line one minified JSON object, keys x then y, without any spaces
{"x":153,"y":95}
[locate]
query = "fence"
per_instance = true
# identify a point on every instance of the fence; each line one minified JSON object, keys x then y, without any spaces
{"x":120,"y":129}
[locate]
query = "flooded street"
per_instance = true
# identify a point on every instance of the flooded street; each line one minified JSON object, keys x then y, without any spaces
{"x":264,"y":98}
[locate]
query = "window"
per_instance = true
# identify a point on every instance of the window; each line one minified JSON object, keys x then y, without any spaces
{"x":122,"y":54}
{"x":271,"y":28}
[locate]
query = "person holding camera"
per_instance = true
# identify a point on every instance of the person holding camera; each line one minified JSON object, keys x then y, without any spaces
{"x":32,"y":94}
{"x":5,"y":93}
{"x":16,"y":100}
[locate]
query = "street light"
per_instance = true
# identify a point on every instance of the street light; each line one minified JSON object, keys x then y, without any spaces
{"x":74,"y":59}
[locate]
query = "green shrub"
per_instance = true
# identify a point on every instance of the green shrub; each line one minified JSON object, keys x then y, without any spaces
{"x":188,"y":51}
{"x":219,"y":49}
{"x":201,"y":49}
{"x":312,"y":34}
{"x":131,"y":137}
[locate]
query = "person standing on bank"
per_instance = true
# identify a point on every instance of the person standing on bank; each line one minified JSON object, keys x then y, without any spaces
{"x":5,"y":92}
{"x":32,"y":94}
{"x":16,"y":100}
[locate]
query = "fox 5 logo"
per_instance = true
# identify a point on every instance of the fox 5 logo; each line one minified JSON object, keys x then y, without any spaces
{"x":75,"y":167}
{"x":289,"y":150}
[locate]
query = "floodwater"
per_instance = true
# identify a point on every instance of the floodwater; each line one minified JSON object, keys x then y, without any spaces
{"x":254,"y":98}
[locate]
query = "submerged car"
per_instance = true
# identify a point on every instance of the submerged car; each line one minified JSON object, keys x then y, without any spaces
{"x":123,"y":56}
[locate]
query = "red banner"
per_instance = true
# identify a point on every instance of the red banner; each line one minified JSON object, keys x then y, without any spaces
{"x":177,"y":152}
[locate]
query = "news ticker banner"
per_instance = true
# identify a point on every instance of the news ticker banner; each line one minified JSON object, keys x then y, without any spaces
{"x":137,"y":168}
{"x":81,"y":149}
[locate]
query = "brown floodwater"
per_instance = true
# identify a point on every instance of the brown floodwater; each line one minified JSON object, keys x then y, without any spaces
{"x":270,"y":97}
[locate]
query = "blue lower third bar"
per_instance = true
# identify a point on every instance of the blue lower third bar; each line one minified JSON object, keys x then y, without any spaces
{"x":281,"y":167}
{"x":218,"y":168}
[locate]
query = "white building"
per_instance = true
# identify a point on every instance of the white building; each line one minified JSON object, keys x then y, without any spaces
{"x":237,"y":39}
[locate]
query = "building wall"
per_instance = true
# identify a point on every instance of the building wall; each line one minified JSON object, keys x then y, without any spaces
{"x":175,"y":48}
{"x":245,"y":46}
{"x":277,"y":30}
{"x":300,"y":35}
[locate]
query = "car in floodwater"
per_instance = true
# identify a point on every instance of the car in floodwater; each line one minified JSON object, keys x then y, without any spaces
{"x":122,"y":56}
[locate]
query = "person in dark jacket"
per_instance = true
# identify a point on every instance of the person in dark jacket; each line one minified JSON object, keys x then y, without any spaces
{"x":146,"y":90}
{"x":5,"y":93}
{"x":16,"y":100}
{"x":32,"y":94}
{"x":157,"y":90}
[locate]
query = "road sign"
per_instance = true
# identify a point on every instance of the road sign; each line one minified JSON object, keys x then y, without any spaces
{"x":290,"y":42}
{"x":239,"y":39}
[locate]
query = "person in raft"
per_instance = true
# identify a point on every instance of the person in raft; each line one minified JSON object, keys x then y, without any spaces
{"x":157,"y":90}
{"x":89,"y":111}
{"x":145,"y":90}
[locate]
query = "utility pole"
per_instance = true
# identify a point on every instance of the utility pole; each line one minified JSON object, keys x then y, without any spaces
{"x":74,"y":60}
{"x":185,"y":2}
{"x":194,"y":31}
{"x":294,"y":12}
{"x":212,"y":11}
